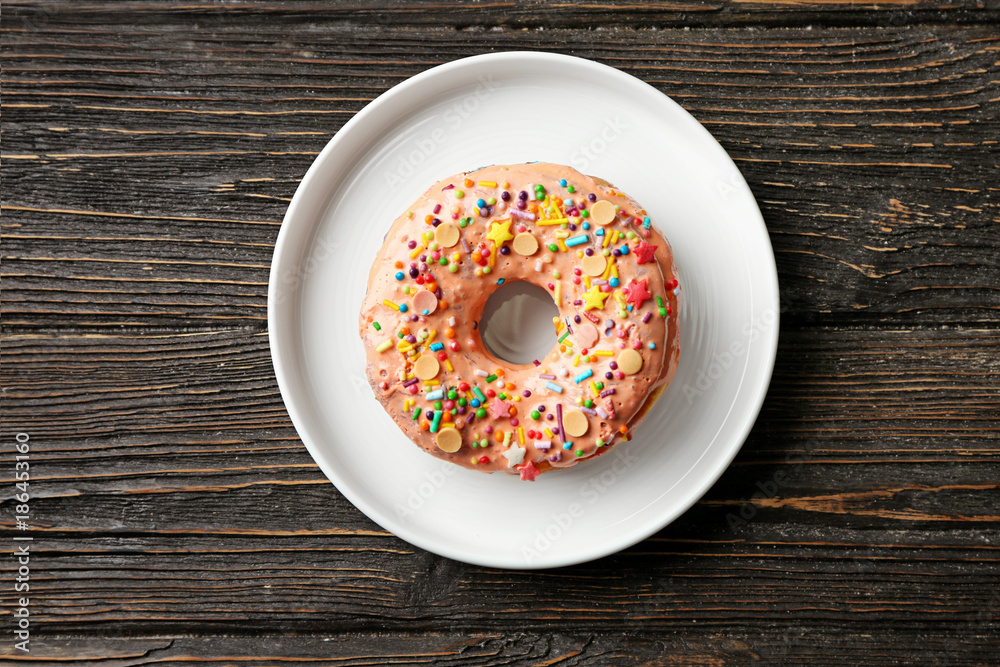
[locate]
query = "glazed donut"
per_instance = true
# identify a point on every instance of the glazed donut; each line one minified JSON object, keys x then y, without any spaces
{"x":613,"y":280}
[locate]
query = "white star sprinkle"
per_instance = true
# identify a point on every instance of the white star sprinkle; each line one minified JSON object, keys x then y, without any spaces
{"x":515,"y":455}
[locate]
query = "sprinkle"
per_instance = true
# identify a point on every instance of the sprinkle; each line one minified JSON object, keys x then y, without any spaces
{"x":548,"y":433}
{"x":577,"y":240}
{"x":607,"y":392}
{"x":563,"y":337}
{"x":378,"y":327}
{"x":646,"y":222}
{"x":479,"y":394}
{"x":543,"y":445}
{"x":436,"y":395}
{"x":520,"y":434}
{"x":559,"y":418}
{"x":447,"y":365}
{"x":646,"y":317}
{"x":489,"y":184}
{"x":551,"y":221}
{"x":593,"y":389}
{"x":390,"y":304}
{"x":481,"y":373}
{"x":437,"y":346}
{"x":501,"y":281}
{"x":583,"y":376}
{"x":514,"y":455}
{"x":608,"y":268}
{"x":567,"y":445}
{"x":416,"y":414}
{"x":490,"y":378}
{"x":384,"y":345}
{"x":603,"y":353}
{"x":410,"y":381}
{"x":523,"y":215}
{"x":552,"y":386}
{"x":538,"y":265}
{"x":587,"y":411}
{"x":601,"y":412}
{"x":547,"y":376}
{"x":436,"y":422}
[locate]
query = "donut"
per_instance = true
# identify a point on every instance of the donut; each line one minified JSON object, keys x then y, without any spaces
{"x":610,"y":273}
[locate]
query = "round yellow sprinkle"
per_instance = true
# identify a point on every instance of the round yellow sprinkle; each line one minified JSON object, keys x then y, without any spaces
{"x":427,"y":367}
{"x":446,"y":234}
{"x":603,"y":212}
{"x":576,"y":423}
{"x":629,"y":361}
{"x":449,"y":440}
{"x":594,"y":265}
{"x":525,"y":244}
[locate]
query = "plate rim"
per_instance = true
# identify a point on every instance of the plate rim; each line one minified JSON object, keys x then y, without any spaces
{"x":768,"y":345}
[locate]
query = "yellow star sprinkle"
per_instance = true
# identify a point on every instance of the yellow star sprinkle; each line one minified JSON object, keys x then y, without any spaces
{"x":499,"y":233}
{"x":594,"y":298}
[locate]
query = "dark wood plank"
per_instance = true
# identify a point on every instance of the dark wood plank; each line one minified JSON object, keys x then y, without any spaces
{"x":488,"y":649}
{"x":868,"y":151}
{"x":150,"y":148}
{"x":864,"y":502}
{"x":535,"y":14}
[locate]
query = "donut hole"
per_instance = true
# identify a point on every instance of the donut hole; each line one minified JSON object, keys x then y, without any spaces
{"x":516,"y":325}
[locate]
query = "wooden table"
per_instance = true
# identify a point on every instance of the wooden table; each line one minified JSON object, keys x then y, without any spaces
{"x":150,"y":150}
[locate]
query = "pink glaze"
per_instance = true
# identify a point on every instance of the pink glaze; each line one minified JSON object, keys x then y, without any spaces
{"x":402,"y":380}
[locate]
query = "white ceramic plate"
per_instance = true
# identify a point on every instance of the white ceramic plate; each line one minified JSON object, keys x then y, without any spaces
{"x":509,"y":108}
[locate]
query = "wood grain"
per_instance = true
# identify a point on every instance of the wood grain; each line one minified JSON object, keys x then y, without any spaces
{"x":150,"y":149}
{"x":493,"y":649}
{"x":874,"y":466}
{"x":868,"y":153}
{"x":516,"y":14}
